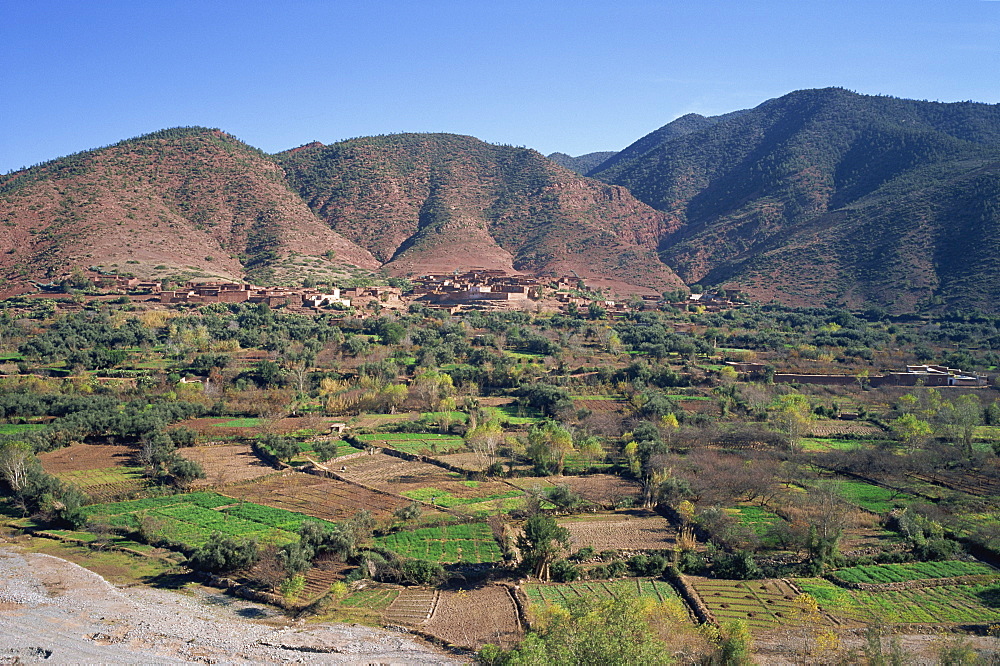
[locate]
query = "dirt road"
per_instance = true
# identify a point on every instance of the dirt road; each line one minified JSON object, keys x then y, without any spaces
{"x":55,"y":611}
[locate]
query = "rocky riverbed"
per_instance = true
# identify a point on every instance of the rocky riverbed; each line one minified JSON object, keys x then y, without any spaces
{"x":56,"y":611}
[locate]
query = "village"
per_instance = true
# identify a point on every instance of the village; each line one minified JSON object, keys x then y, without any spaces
{"x":452,"y":292}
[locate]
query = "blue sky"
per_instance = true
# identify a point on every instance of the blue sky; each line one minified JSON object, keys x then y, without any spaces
{"x":555,"y":75}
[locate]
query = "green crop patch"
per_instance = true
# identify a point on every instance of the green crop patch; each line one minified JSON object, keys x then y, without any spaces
{"x":895,"y":573}
{"x":191,"y":519}
{"x":377,"y":599}
{"x":763,"y":604}
{"x":15,"y":428}
{"x":563,"y":593}
{"x":945,"y":604}
{"x":240,"y":423}
{"x":471,"y":543}
{"x":871,"y":497}
{"x":755,"y":517}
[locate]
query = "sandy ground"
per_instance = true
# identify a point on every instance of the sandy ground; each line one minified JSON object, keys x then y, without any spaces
{"x":55,"y":611}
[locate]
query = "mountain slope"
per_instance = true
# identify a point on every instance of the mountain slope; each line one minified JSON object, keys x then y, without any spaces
{"x":186,"y":201}
{"x":440,"y":202}
{"x":581,"y":163}
{"x":826,"y":196}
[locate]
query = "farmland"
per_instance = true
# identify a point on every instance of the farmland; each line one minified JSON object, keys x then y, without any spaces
{"x":416,"y":443}
{"x":626,"y":530}
{"x":225,"y":464}
{"x":461,"y":437}
{"x":895,"y":573}
{"x":762,"y":604}
{"x":951,"y":604}
{"x":192,"y":518}
{"x":469,"y":543}
{"x":327,"y":499}
{"x":104,"y":472}
{"x":563,"y":593}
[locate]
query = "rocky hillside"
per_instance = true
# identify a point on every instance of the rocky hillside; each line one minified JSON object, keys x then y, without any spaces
{"x":438,"y":202}
{"x":581,"y":164}
{"x":194,"y":202}
{"x":826,"y":196}
{"x":183,"y":202}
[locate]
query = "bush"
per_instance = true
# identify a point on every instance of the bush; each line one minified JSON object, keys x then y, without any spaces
{"x":224,"y":554}
{"x":564,"y":571}
{"x":421,"y":572}
{"x":736,"y":566}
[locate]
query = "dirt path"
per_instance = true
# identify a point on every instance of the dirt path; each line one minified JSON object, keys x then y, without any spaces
{"x":53,"y":610}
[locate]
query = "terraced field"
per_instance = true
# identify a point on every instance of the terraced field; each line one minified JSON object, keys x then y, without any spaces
{"x":762,"y":604}
{"x":563,"y":593}
{"x":224,"y":464}
{"x":416,"y":443}
{"x":947,"y":604}
{"x":103,"y":472}
{"x":327,"y":499}
{"x":192,"y":518}
{"x":895,"y":573}
{"x":412,"y":607}
{"x":469,"y":543}
{"x":624,"y":530}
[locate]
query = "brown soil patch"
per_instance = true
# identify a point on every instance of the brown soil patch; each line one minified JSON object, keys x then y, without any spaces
{"x":327,"y":499}
{"x":600,"y":405}
{"x":389,"y":472}
{"x":472,"y":618}
{"x":831,"y":428}
{"x":605,"y":489}
{"x":227,"y":464}
{"x":622,"y":530}
{"x":79,"y":457}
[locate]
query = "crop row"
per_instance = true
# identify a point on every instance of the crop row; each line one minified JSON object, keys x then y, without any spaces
{"x":190,"y":519}
{"x":375,"y":599}
{"x":933,"y":605}
{"x":562,"y":593}
{"x":447,"y":543}
{"x":894,"y":573}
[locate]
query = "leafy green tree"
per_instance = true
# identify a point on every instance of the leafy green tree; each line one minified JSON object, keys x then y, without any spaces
{"x":222,"y":554}
{"x":611,"y":632}
{"x":548,"y":446}
{"x":541,"y":542}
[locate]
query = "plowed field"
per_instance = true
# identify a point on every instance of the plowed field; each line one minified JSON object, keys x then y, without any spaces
{"x":227,"y":464}
{"x":472,"y":618}
{"x":632,"y":530}
{"x":328,"y":499}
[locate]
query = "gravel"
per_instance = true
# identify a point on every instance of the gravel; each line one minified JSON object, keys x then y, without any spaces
{"x":55,"y":611}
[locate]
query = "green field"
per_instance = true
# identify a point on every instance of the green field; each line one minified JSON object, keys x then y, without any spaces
{"x":470,"y":543}
{"x":192,"y":518}
{"x":978,"y":604}
{"x":107,"y":476}
{"x":416,"y":443}
{"x":377,"y":599}
{"x":762,"y":604}
{"x":562,"y":593}
{"x":894,"y":573}
{"x":240,"y":423}
{"x":874,"y":498}
{"x":15,"y":428}
{"x":443,"y":498}
{"x":831,"y":444}
{"x":754,"y":517}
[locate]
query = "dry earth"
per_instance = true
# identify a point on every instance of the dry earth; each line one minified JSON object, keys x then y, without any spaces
{"x":53,"y":610}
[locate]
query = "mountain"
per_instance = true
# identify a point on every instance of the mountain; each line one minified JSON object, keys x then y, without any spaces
{"x":830,"y":197}
{"x":581,"y":163}
{"x":438,"y":202}
{"x":184,"y":202}
{"x":196,"y":202}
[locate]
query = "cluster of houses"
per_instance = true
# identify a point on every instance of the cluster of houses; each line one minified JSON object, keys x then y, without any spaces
{"x":453,"y":292}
